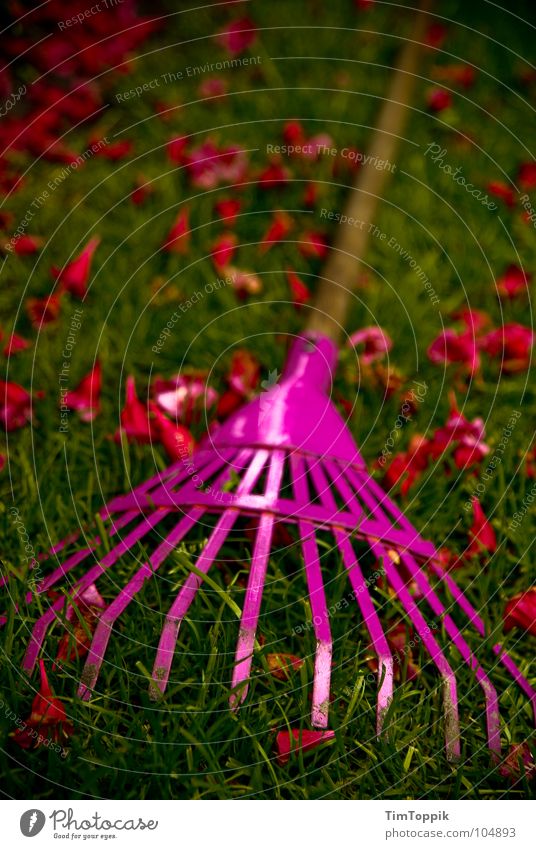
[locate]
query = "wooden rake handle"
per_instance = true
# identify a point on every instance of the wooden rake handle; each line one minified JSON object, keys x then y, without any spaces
{"x":332,"y":300}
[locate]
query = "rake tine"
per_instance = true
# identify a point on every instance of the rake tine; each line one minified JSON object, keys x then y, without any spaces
{"x":490,"y":693}
{"x":373,"y":625}
{"x":181,"y":604}
{"x":140,"y":498}
{"x":41,"y":626}
{"x":257,"y":578}
{"x":317,"y":596}
{"x":362,"y":595}
{"x":127,"y":516}
{"x":109,"y":616}
{"x":324,"y":642}
{"x":476,"y":620}
{"x":450,"y":697}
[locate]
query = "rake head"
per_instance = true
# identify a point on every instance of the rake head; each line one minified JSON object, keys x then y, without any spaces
{"x":285,"y":457}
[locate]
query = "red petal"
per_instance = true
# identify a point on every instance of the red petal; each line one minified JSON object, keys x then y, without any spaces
{"x":286,"y":742}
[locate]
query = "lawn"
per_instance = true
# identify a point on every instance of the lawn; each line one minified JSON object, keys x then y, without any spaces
{"x":326,"y":66}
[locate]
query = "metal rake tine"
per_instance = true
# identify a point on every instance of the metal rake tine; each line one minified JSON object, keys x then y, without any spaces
{"x":450,"y":696}
{"x":476,"y":620}
{"x":256,"y":581}
{"x":181,"y":604}
{"x":41,"y":626}
{"x":68,"y":565}
{"x":490,"y":693}
{"x":317,"y":596}
{"x":324,"y":641}
{"x":362,"y":596}
{"x":141,"y":498}
{"x":373,"y":625}
{"x":109,"y":616}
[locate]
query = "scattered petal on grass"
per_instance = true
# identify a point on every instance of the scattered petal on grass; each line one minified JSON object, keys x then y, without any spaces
{"x":502,"y":191}
{"x":15,"y":344}
{"x":513,"y":282}
{"x":47,"y":721}
{"x":43,"y":311}
{"x":511,"y":345}
{"x":136,"y":423}
{"x":243,"y":282}
{"x":228,"y":209}
{"x":518,"y":762}
{"x":177,"y":240}
{"x":280,"y":227}
{"x":481,"y":534}
{"x":281,"y":666}
{"x":185,"y":397}
{"x":176,"y":439}
{"x":455,"y":74}
{"x":438,"y":99}
{"x":15,"y":405}
{"x":26,"y":245}
{"x":85,"y":399}
{"x":375,"y":341}
{"x":520,"y":612}
{"x":74,"y":277}
{"x":76,"y":640}
{"x":223,"y":250}
{"x":313,"y":245}
{"x":288,"y":743}
{"x":527,"y":176}
{"x":237,"y":36}
{"x":299,"y":291}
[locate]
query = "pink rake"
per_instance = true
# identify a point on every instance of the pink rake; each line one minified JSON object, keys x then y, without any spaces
{"x":289,"y":457}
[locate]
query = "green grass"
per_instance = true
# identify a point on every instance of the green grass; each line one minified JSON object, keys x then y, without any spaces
{"x":190,"y":745}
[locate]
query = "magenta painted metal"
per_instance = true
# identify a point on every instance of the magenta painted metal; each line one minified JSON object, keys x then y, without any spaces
{"x":286,"y":456}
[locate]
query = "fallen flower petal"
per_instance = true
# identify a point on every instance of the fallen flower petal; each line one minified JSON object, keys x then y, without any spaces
{"x":245,"y":372}
{"x":15,"y":344}
{"x":376,"y":341}
{"x":237,"y":36}
{"x":300,"y":293}
{"x":513,"y":281}
{"x":74,"y":276}
{"x":281,"y":666}
{"x":178,"y":238}
{"x":502,"y":191}
{"x":243,"y":282}
{"x":438,"y":99}
{"x":313,"y":244}
{"x":512,"y":344}
{"x":223,"y":250}
{"x":288,"y":742}
{"x":136,"y":424}
{"x":518,"y":761}
{"x":228,"y":210}
{"x":280,"y":227}
{"x":176,"y":439}
{"x":452,"y":346}
{"x":47,"y":720}
{"x":520,"y":612}
{"x":15,"y":405}
{"x":43,"y":311}
{"x":26,"y":245}
{"x":527,"y":176}
{"x":85,"y":399}
{"x":481,"y":534}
